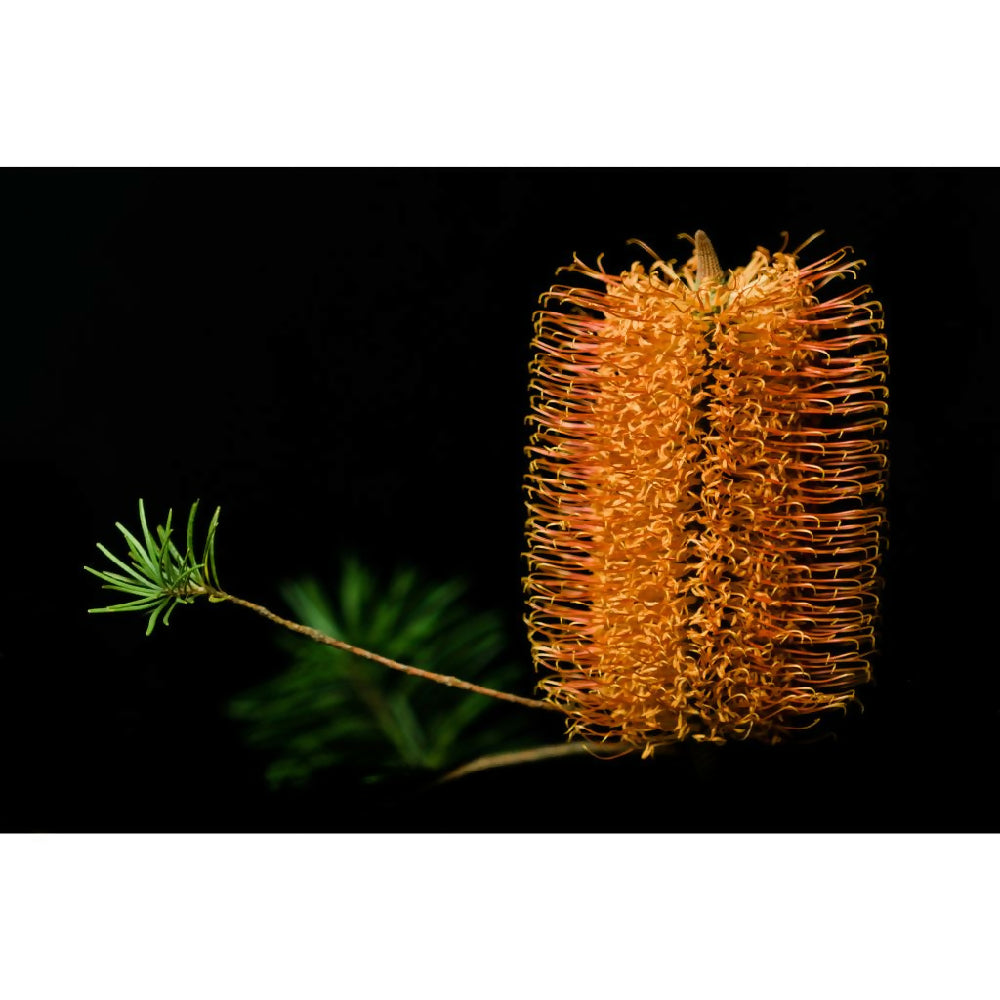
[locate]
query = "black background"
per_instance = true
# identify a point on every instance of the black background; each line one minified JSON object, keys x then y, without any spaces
{"x":338,"y":358}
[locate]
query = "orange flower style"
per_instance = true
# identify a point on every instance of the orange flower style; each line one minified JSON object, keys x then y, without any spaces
{"x":705,"y":491}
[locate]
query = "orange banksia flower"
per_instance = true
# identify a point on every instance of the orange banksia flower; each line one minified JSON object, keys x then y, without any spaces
{"x":704,"y":497}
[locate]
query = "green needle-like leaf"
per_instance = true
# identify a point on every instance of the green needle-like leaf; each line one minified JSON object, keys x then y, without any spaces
{"x":329,"y":708}
{"x":160,"y":575}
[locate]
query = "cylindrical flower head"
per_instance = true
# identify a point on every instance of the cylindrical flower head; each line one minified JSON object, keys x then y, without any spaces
{"x":704,"y":497}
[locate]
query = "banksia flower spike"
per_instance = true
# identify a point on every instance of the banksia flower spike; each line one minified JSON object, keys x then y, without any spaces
{"x":704,"y":497}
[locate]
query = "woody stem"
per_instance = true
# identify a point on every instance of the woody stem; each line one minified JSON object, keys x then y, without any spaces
{"x":605,"y":750}
{"x":326,"y":640}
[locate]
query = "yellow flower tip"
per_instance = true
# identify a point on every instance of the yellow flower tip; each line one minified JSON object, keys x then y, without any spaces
{"x":704,"y":518}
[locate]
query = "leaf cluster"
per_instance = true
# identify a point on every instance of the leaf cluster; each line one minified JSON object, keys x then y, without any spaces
{"x":330,"y":708}
{"x":158,"y":575}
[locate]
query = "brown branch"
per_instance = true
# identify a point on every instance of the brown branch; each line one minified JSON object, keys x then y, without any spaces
{"x":537,"y":753}
{"x":326,"y":640}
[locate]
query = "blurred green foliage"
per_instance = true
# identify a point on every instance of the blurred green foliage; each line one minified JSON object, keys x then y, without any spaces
{"x":329,"y":708}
